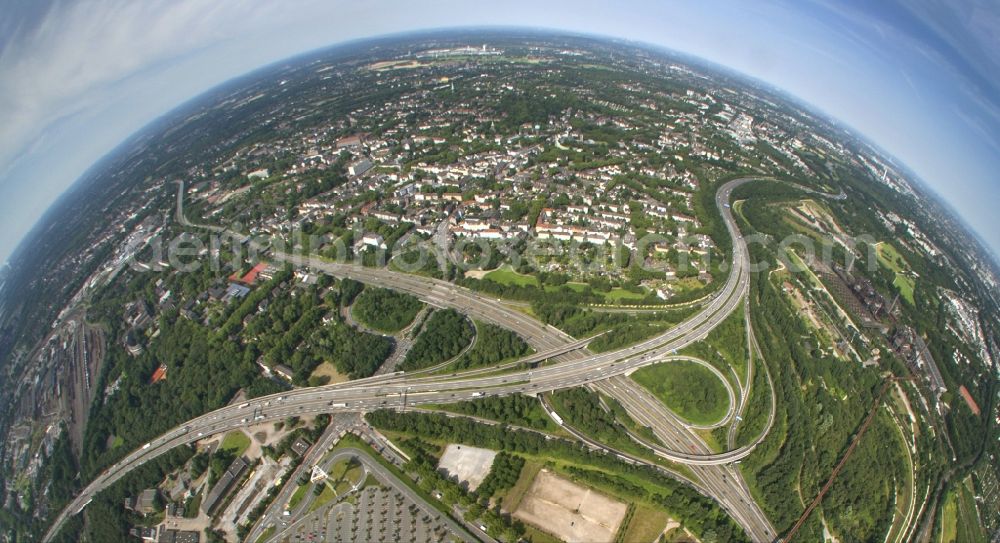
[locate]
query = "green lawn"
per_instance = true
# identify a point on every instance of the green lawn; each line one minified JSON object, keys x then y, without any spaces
{"x":236,"y":442}
{"x":617,"y":295}
{"x":646,"y":524}
{"x":267,"y":534}
{"x":507,"y":276}
{"x":536,"y":535}
{"x":572,"y":285}
{"x":889,"y":258}
{"x":323,"y":499}
{"x":949,"y":519}
{"x":687,"y":388}
{"x":905,"y":284}
{"x":968,"y":527}
{"x":192,"y":505}
{"x":344,"y":475}
{"x":297,"y":496}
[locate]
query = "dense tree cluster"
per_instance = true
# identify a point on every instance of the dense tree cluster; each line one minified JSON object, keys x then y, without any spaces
{"x":582,"y":409}
{"x":516,"y":409}
{"x":349,"y":290}
{"x":239,"y":312}
{"x":385,"y":310}
{"x":445,"y":334}
{"x":534,"y":106}
{"x":290,"y":332}
{"x":622,"y":329}
{"x":354,"y":353}
{"x":203,"y":373}
{"x":626,"y":334}
{"x":107,"y":520}
{"x":276,"y":323}
{"x":814,"y":424}
{"x":503,"y":474}
{"x":689,"y":389}
{"x":493,"y":344}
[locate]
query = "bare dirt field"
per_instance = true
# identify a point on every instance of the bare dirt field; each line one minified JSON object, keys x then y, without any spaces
{"x":467,"y":464}
{"x":327,"y":369}
{"x":569,"y":511}
{"x":476,"y":274}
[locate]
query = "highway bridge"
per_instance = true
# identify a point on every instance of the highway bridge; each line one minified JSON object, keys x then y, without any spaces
{"x":575,"y":368}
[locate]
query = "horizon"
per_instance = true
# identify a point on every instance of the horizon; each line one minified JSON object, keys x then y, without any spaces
{"x":172,"y":114}
{"x":935,"y":111}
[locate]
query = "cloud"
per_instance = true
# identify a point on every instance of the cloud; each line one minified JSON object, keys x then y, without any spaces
{"x":76,"y":77}
{"x":51,"y":69}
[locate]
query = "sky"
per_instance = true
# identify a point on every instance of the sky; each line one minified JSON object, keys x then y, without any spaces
{"x":920,"y":78}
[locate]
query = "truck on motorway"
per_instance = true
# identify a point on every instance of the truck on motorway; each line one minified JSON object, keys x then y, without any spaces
{"x":146,"y":446}
{"x":338,"y":404}
{"x":476,"y":394}
{"x":244,"y":405}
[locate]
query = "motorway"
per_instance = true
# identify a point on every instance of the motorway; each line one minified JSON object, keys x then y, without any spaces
{"x":721,"y":481}
{"x":397,"y":391}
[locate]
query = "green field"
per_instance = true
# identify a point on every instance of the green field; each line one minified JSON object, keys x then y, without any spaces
{"x":323,"y":498}
{"x":959,"y":518}
{"x":267,"y":534}
{"x":646,"y":524}
{"x":687,"y":388}
{"x":949,"y":519}
{"x":889,"y":258}
{"x":507,"y":276}
{"x":618,"y":295}
{"x":344,"y":475}
{"x":236,"y":442}
{"x":297,"y":496}
{"x":575,"y":286}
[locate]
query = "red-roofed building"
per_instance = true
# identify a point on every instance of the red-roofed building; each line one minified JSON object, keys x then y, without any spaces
{"x":251,"y":275}
{"x":159,"y":375}
{"x":968,"y":400}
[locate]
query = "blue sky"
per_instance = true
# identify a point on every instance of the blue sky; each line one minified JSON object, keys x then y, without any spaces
{"x":921,"y":79}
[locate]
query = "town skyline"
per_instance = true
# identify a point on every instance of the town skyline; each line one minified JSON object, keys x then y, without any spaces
{"x":889,"y":98}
